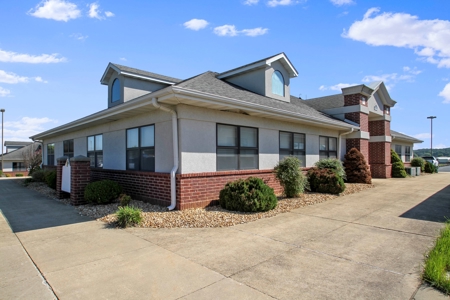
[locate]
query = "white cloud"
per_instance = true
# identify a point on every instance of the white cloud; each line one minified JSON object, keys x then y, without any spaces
{"x":255,"y":31}
{"x":196,"y":24}
{"x":445,"y":93}
{"x":109,"y":14}
{"x":230,"y":30}
{"x":9,"y":56}
{"x":123,"y":58}
{"x":274,"y":3}
{"x":94,"y":11}
{"x":336,"y":87}
{"x":11,"y":78}
{"x":422,"y":136}
{"x":251,"y":2}
{"x":59,"y":10}
{"x":226,"y":30}
{"x":413,"y":71}
{"x":430,"y":39}
{"x":342,"y":2}
{"x":25,"y":127}
{"x":39,"y":79}
{"x":79,"y":36}
{"x":4,"y":92}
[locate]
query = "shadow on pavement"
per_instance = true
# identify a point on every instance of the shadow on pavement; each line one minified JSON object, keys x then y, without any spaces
{"x":27,"y":210}
{"x":435,"y":208}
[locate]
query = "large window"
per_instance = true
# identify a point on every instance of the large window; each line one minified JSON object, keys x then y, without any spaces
{"x":237,"y":148}
{"x":95,"y":150}
{"x":292,"y":144}
{"x":407,"y":153}
{"x":51,"y":154}
{"x":141,"y":148}
{"x":327,"y":147}
{"x":18,"y":166}
{"x":398,"y":150}
{"x":115,"y":90}
{"x":68,"y":148}
{"x":277,"y":83}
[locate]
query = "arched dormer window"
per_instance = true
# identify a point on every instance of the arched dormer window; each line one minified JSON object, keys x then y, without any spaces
{"x":115,"y":90}
{"x":277,"y":84}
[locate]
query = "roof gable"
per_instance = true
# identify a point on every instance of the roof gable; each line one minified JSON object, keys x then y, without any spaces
{"x":135,"y":73}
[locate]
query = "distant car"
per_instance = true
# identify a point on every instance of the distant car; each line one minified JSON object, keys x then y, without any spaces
{"x":431,"y":159}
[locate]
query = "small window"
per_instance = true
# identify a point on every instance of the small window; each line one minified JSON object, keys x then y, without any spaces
{"x":50,"y":154}
{"x":398,"y":150}
{"x":95,"y":150}
{"x":141,"y":148}
{"x":277,"y":84}
{"x":292,"y":144}
{"x":237,"y":148}
{"x":407,"y":153}
{"x":68,"y":148}
{"x":327,"y":147}
{"x":18,"y":166}
{"x":115,"y":90}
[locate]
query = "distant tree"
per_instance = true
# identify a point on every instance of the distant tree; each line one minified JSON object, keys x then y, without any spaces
{"x":32,"y":158}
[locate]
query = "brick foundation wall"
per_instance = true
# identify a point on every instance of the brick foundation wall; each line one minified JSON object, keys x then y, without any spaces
{"x":380,"y":159}
{"x":202,"y":189}
{"x":380,"y":128}
{"x":381,"y":170}
{"x":80,"y":176}
{"x":361,"y":145}
{"x":146,"y":186}
{"x":360,"y":118}
{"x":13,"y":173}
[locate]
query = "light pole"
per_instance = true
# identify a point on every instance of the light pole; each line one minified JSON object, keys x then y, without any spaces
{"x":2,"y":110}
{"x":431,"y":118}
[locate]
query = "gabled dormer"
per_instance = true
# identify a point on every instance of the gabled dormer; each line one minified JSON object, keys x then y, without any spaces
{"x":125,"y":83}
{"x":269,"y":77}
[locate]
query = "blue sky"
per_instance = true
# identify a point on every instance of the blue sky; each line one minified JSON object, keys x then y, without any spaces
{"x":53,"y":53}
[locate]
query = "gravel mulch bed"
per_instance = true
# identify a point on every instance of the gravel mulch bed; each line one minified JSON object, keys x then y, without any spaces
{"x":155,"y":216}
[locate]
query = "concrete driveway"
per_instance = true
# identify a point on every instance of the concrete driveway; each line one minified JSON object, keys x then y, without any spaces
{"x":368,"y":245}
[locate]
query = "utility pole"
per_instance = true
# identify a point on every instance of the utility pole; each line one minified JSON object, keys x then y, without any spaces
{"x":431,"y":118}
{"x":2,"y":110}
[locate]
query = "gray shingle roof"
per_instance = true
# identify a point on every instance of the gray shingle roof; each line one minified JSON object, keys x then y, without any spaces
{"x":403,"y":136}
{"x":146,"y":74}
{"x":326,"y":102}
{"x":208,"y":83}
{"x":18,"y":154}
{"x":16,"y":143}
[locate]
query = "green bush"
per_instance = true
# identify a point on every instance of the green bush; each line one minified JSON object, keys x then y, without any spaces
{"x":124,"y":200}
{"x":333,"y":164}
{"x":418,"y":162}
{"x":398,"y":168}
{"x":430,"y":168}
{"x":19,"y":175}
{"x":102,"y":192}
{"x":50,"y":179}
{"x":325,"y":181}
{"x":39,"y":176}
{"x":290,"y":176}
{"x":128,"y":216}
{"x":251,"y":194}
{"x":356,"y":167}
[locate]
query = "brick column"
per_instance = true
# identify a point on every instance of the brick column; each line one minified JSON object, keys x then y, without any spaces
{"x":360,"y":118}
{"x":80,"y":177}
{"x":380,"y":151}
{"x":60,"y":162}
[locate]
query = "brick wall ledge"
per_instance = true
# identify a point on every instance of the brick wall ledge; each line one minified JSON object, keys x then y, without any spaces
{"x":225,"y":173}
{"x":131,"y":172}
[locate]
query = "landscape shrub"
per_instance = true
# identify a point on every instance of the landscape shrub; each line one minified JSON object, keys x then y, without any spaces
{"x":50,"y":179}
{"x":418,"y":162}
{"x":124,"y":200}
{"x":38,"y":176}
{"x":102,"y":192}
{"x":398,"y":168}
{"x":325,"y":181}
{"x":248,"y":195}
{"x":128,"y":216}
{"x":356,"y":167}
{"x":290,"y":176}
{"x":19,"y":175}
{"x":430,"y":168}
{"x":333,"y":164}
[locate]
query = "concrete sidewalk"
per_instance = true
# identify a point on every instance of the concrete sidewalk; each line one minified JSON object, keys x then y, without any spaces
{"x":362,"y":246}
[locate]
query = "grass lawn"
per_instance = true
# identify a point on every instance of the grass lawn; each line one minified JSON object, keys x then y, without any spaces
{"x":437,"y":265}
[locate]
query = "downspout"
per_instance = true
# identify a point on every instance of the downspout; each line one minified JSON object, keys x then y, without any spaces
{"x":340,"y":135}
{"x":173,"y":172}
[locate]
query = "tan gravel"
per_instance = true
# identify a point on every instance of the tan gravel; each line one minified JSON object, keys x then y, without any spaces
{"x":155,"y":216}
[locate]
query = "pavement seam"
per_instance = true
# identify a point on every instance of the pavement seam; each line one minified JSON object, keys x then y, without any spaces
{"x":200,"y":288}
